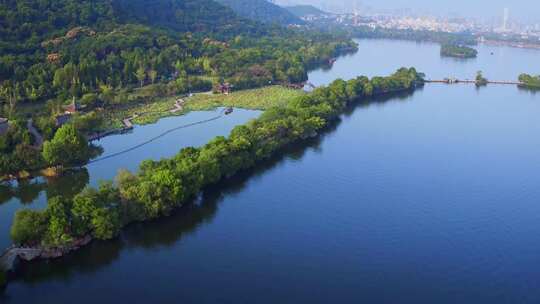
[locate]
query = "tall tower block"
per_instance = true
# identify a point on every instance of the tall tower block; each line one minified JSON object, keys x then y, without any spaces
{"x":506,"y":14}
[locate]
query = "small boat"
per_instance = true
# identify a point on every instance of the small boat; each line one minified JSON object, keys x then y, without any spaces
{"x":229,"y":111}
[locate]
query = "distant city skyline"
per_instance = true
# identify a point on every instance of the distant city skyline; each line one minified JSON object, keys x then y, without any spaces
{"x":522,"y":10}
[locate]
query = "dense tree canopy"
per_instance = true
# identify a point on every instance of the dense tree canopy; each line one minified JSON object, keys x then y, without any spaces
{"x":459,"y":51}
{"x":52,"y":52}
{"x":262,"y":10}
{"x":29,"y":227}
{"x":66,"y":48}
{"x":68,"y":147}
{"x":305,"y":10}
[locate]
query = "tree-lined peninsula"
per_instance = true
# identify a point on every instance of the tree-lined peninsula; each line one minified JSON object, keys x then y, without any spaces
{"x":161,"y":186}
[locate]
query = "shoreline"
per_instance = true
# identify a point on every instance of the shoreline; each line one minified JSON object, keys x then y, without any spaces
{"x":513,"y":44}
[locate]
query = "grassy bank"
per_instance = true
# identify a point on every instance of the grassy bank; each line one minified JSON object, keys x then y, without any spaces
{"x":150,"y":112}
{"x":254,"y":99}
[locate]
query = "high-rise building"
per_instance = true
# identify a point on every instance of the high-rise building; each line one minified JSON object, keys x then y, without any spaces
{"x":505,"y":19}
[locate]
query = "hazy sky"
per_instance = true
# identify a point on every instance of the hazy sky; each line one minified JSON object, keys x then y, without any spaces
{"x":520,"y":9}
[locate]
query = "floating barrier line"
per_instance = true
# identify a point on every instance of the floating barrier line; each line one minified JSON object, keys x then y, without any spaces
{"x":155,"y":138}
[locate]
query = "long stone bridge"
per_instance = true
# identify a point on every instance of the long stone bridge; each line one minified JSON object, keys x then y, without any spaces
{"x":458,"y":81}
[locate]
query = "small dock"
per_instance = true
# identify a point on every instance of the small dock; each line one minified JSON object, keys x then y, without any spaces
{"x":128,"y":126}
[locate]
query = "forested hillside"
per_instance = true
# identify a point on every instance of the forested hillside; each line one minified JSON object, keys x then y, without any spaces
{"x":96,"y":52}
{"x":305,"y":10}
{"x":262,"y":10}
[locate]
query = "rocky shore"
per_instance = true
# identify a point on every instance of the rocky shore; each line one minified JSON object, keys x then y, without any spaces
{"x":12,"y":255}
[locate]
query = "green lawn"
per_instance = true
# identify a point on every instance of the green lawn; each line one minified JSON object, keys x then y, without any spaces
{"x":150,"y":112}
{"x":255,"y":99}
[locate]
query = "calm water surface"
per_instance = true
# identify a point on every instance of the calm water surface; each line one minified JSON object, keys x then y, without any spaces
{"x":383,"y":57}
{"x":429,"y":197}
{"x":34,"y":194}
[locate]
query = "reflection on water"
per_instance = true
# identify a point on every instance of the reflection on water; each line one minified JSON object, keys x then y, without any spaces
{"x":531,"y":91}
{"x":25,"y":191}
{"x":67,"y":185}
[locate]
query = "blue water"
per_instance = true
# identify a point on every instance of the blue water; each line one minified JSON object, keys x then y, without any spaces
{"x":383,"y":57}
{"x":39,"y":189}
{"x":429,"y":197}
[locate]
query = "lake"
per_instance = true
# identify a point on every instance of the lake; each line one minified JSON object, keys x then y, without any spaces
{"x":34,"y":194}
{"x":426,"y":197}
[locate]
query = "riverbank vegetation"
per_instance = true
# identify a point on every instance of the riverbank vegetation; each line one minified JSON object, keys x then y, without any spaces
{"x":99,"y":53}
{"x":16,"y":149}
{"x":161,"y":186}
{"x":458,"y":51}
{"x":529,"y":81}
{"x":68,"y":147}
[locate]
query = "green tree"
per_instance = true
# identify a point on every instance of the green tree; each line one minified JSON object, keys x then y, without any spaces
{"x":28,"y":227}
{"x":528,"y":81}
{"x":58,"y":230}
{"x":106,"y":223}
{"x":141,"y":75}
{"x":480,"y":79}
{"x":153,"y":75}
{"x":10,"y":92}
{"x":68,"y":147}
{"x":107,"y":94}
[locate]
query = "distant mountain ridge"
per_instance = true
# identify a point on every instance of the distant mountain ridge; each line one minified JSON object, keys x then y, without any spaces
{"x":179,"y":15}
{"x":305,"y":10}
{"x":262,"y":11}
{"x":31,"y":20}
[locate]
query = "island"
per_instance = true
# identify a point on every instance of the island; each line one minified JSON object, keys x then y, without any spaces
{"x":529,"y":81}
{"x":480,"y":80}
{"x":458,"y":51}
